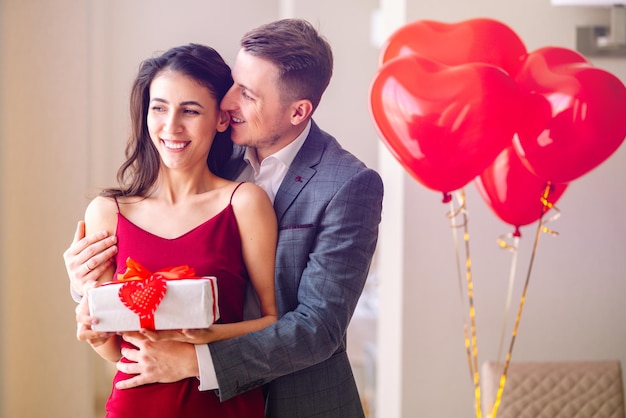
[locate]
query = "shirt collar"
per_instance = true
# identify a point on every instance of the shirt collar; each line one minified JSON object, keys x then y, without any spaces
{"x":286,"y":155}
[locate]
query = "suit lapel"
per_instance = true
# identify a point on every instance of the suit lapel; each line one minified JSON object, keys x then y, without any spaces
{"x":300,"y":172}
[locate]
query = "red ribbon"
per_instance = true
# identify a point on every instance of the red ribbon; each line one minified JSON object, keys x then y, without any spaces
{"x":143,"y":291}
{"x":135,"y":271}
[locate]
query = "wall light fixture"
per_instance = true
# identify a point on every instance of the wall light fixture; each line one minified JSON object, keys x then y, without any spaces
{"x":608,"y":41}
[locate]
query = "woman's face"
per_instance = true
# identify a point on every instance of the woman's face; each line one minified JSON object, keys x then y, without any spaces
{"x":183,"y":118}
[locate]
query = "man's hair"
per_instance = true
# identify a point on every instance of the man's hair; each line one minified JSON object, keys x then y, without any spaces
{"x":304,"y":58}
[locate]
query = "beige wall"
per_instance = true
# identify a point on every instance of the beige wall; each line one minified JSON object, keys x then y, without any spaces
{"x":65,"y":72}
{"x":44,"y":176}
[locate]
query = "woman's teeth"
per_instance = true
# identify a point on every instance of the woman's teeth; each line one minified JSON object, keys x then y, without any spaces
{"x":175,"y":144}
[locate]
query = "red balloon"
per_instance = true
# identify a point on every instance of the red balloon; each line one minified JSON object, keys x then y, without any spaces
{"x":573,"y":114}
{"x":514,"y":193}
{"x":474,"y":40}
{"x":445,"y":125}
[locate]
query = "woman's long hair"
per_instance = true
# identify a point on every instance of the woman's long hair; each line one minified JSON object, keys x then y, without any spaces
{"x":205,"y":66}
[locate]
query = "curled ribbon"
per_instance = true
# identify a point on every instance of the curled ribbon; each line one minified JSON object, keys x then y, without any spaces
{"x":540,"y":228}
{"x":471,"y":345}
{"x":143,"y":291}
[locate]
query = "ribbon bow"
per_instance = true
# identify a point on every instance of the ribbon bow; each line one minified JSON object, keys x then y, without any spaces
{"x":135,"y":271}
{"x":143,"y":291}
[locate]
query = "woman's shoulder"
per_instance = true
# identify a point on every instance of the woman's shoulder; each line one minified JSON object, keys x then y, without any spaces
{"x":250,"y":201}
{"x":253,"y":209}
{"x":101,"y":213}
{"x":102,"y":204}
{"x":247,"y":193}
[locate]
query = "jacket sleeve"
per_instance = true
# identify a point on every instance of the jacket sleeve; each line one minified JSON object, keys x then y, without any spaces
{"x":334,"y":262}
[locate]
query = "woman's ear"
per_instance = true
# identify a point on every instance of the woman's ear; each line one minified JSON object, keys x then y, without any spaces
{"x":301,"y":111}
{"x":223,"y":121}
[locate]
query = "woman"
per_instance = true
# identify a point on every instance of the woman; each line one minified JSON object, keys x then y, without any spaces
{"x":171,"y":209}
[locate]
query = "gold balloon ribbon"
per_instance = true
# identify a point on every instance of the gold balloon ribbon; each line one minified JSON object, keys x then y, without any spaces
{"x":540,"y":228}
{"x":471,"y":346}
{"x":549,"y":206}
{"x":513,"y":247}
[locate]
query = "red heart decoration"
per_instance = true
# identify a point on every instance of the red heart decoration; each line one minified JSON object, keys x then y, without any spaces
{"x":574,"y":114}
{"x":474,"y":40}
{"x":445,"y":125}
{"x":143,"y":296}
{"x":514,"y":193}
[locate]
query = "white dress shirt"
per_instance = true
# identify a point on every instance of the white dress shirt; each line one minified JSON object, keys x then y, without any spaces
{"x":268,"y":174}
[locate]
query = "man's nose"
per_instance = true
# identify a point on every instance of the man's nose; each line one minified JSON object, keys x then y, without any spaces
{"x":228,"y":102}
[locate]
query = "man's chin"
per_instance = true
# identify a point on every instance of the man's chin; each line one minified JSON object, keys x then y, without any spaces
{"x":238,"y":139}
{"x":239,"y":142}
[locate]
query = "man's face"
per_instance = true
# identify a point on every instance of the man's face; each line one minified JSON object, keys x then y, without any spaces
{"x":258,"y":118}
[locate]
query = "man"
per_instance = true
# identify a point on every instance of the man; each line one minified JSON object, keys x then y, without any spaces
{"x":328,"y":206}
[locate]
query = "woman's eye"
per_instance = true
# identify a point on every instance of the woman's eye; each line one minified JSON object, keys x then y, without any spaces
{"x":192,"y":112}
{"x":157,"y":108}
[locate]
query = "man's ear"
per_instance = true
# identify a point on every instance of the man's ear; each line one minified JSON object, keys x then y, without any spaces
{"x":223,"y":121}
{"x":301,"y":111}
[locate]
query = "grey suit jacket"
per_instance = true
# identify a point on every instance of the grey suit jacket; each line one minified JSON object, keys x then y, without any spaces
{"x":329,"y":208}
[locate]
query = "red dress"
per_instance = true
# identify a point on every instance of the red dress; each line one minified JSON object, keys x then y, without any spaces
{"x":212,"y":249}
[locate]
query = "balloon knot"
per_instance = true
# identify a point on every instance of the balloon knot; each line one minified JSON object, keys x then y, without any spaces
{"x":517,"y":233}
{"x":447,"y":197}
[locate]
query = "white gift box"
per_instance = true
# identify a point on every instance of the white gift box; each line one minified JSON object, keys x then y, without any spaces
{"x":187,"y":304}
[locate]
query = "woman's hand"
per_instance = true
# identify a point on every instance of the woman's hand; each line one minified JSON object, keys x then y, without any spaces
{"x":84,"y":321}
{"x":88,"y":257}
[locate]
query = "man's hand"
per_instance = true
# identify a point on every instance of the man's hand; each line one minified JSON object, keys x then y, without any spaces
{"x":156,"y":361}
{"x":88,"y":257}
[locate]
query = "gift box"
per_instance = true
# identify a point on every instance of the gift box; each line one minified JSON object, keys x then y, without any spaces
{"x":163,"y":300}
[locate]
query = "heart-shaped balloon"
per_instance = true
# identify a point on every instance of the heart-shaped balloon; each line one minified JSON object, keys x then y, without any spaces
{"x":143,"y":297}
{"x":573,"y":114}
{"x":475,"y":40}
{"x":514,"y":193}
{"x":445,"y":125}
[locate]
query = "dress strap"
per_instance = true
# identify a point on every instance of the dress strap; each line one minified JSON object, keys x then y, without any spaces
{"x":118,"y":204}
{"x":231,"y":196}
